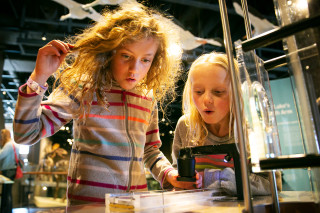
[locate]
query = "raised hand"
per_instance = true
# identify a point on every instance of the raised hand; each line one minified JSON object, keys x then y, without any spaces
{"x":49,"y":59}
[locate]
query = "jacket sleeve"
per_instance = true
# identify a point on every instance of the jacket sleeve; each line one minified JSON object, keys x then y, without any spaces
{"x":154,"y":159}
{"x":35,"y":119}
{"x":260,"y":183}
{"x":225,"y":179}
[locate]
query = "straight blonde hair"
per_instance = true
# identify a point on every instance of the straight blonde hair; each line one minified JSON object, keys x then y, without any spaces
{"x":196,"y":126}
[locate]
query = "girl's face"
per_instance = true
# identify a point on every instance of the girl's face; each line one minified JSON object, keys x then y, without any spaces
{"x":210,"y":93}
{"x":132,"y":62}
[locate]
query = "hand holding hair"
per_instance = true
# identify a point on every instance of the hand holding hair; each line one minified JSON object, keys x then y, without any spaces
{"x":49,"y":59}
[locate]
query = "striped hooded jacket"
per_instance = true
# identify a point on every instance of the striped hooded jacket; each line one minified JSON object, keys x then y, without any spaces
{"x":110,"y":150}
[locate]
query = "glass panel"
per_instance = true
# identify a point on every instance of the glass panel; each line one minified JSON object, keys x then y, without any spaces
{"x":260,"y":122}
{"x":157,"y":199}
{"x":302,"y":53}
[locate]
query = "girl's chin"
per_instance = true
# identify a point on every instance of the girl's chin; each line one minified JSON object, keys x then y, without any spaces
{"x":210,"y":121}
{"x":126,"y":87}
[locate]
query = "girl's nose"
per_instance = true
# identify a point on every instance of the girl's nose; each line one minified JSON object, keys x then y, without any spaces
{"x":208,"y":99}
{"x":134,"y":66}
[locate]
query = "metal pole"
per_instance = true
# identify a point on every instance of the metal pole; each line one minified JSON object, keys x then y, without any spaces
{"x":246,"y":19}
{"x":274,"y":191}
{"x":236,"y":102}
{"x":278,"y":34}
{"x":272,"y":176}
{"x":247,"y":24}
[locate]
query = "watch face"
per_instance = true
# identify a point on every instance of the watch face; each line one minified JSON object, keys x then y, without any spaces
{"x":35,"y":87}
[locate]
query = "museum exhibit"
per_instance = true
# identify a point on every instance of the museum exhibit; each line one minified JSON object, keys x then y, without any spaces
{"x":88,"y":123}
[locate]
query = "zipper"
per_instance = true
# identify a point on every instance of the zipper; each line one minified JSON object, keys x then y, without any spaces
{"x":131,"y":144}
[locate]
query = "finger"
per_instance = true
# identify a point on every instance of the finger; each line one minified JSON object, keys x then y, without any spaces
{"x":199,"y":177}
{"x":184,"y":185}
{"x":199,"y":185}
{"x":48,"y":50}
{"x":67,"y":46}
{"x":189,"y":185}
{"x":62,"y":47}
{"x":71,"y":46}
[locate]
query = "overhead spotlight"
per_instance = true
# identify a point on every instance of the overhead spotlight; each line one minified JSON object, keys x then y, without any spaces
{"x":44,"y":37}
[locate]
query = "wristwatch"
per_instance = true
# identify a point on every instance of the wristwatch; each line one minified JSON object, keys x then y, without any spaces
{"x":37,"y":88}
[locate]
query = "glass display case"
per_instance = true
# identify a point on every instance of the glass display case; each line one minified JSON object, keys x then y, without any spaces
{"x":299,"y":32}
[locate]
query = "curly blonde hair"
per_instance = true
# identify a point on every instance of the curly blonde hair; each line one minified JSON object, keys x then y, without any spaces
{"x":196,"y":125}
{"x":87,"y":68}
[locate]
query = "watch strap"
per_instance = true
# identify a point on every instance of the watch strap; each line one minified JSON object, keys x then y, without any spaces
{"x":37,"y":88}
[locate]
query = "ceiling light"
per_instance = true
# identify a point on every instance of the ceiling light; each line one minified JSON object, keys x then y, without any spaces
{"x":44,"y":37}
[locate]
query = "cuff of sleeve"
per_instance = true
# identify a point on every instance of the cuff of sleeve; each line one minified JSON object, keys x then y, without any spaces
{"x":211,"y":176}
{"x":23,"y":91}
{"x":164,"y":183}
{"x":39,"y":89}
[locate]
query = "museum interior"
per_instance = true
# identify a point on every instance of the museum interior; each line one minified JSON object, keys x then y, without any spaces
{"x":276,"y":99}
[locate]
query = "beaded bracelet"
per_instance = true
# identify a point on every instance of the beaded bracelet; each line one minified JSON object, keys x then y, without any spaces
{"x":39,"y":89}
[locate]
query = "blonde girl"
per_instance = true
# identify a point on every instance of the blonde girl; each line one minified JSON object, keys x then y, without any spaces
{"x":208,"y":120}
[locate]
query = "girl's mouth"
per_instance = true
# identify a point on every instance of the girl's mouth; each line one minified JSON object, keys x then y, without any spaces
{"x":131,"y":79}
{"x":208,"y":111}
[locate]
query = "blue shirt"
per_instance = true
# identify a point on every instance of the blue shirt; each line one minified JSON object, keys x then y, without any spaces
{"x":7,"y":159}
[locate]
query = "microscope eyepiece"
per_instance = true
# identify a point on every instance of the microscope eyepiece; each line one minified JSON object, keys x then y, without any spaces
{"x":227,"y":158}
{"x":185,"y":153}
{"x":186,"y":165}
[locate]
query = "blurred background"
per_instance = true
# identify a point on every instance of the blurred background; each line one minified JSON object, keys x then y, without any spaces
{"x":27,"y":25}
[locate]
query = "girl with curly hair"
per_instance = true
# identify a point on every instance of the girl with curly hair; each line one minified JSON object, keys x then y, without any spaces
{"x":112,"y":78}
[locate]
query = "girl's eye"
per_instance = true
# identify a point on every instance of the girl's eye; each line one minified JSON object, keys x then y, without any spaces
{"x":146,"y":60}
{"x":219,"y":92}
{"x":125,"y":56}
{"x":198,"y":92}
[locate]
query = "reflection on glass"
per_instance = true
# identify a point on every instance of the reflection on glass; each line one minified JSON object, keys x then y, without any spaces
{"x":260,"y":123}
{"x":303,"y":58}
